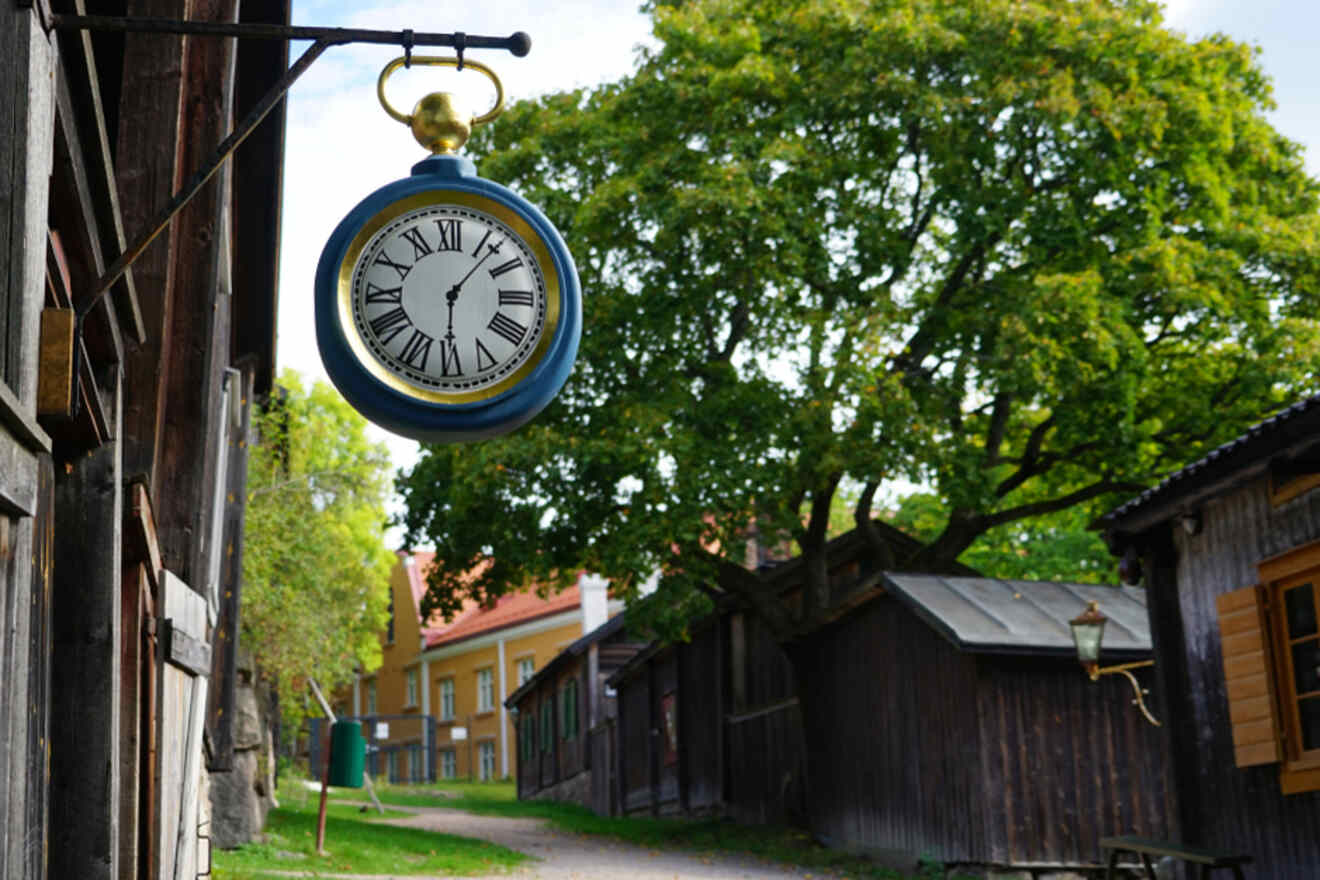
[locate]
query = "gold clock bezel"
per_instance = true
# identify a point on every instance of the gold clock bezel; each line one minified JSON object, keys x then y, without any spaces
{"x":430,"y":199}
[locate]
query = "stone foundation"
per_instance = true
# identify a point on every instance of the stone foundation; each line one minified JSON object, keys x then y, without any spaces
{"x":574,"y":790}
{"x":242,"y":795}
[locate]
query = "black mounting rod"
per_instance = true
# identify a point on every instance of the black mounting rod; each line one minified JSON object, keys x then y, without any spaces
{"x":517,"y":43}
{"x":323,"y":38}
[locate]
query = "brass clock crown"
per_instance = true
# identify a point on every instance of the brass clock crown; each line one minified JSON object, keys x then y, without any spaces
{"x":440,"y":121}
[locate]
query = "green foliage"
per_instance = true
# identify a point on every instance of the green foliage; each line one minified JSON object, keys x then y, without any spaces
{"x":1030,"y":254}
{"x":315,"y":566}
{"x":1051,"y":547}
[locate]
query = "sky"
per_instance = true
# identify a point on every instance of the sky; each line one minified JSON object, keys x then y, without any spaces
{"x":341,"y":146}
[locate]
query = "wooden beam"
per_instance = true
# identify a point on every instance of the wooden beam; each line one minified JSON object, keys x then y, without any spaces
{"x":148,"y":159}
{"x":224,"y":670}
{"x":85,"y":89}
{"x":140,"y":543}
{"x":84,"y":719}
{"x":197,"y":336}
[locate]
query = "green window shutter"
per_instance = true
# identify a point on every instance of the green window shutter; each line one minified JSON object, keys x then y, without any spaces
{"x":573,"y":709}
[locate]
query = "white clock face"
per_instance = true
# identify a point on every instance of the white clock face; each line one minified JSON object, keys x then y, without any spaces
{"x":449,"y":299}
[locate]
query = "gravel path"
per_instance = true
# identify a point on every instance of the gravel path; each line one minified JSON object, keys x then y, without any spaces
{"x":566,"y":856}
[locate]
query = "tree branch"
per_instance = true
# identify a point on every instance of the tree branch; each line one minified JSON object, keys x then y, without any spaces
{"x":866,"y":525}
{"x":1054,"y":505}
{"x":994,"y":436}
{"x":1030,"y":458}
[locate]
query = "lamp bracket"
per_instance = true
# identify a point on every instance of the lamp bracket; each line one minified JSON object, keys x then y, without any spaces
{"x":1125,"y":669}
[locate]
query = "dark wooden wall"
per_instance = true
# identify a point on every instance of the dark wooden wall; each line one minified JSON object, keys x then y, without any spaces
{"x":634,"y":738}
{"x":1064,"y":762}
{"x":740,"y":747}
{"x":571,"y":759}
{"x":897,"y":704}
{"x":766,"y":754}
{"x":1221,"y":804}
{"x":701,"y":706}
{"x":970,"y":758}
{"x":664,"y":774}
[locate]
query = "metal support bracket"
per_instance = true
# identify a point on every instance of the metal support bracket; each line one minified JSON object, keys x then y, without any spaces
{"x":1125,"y":670}
{"x":519,"y":44}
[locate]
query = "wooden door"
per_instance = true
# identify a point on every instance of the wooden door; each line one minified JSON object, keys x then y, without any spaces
{"x":180,"y":717}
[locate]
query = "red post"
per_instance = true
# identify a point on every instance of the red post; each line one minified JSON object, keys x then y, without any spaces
{"x":325,"y":785}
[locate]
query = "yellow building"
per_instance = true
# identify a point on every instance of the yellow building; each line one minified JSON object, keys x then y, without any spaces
{"x":435,"y":707}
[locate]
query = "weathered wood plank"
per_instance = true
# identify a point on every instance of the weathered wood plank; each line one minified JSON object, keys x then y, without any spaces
{"x":25,"y":474}
{"x":135,"y":583}
{"x":140,"y":540}
{"x":85,"y":706}
{"x":149,"y":174}
{"x":197,"y":327}
{"x":182,"y":649}
{"x":220,"y":715}
{"x":80,"y":65}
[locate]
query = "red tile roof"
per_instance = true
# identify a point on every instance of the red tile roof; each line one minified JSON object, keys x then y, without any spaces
{"x":509,"y":610}
{"x":472,"y":619}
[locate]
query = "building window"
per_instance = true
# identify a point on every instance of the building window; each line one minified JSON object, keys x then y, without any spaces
{"x":527,"y":741}
{"x":392,"y":764}
{"x":1299,"y":636}
{"x":485,"y":690}
{"x":371,"y":697}
{"x":417,"y":763}
{"x":446,"y":699}
{"x":448,"y":764}
{"x":486,"y":755}
{"x":1270,"y":642}
{"x":547,"y":726}
{"x":526,"y":669}
{"x":568,"y":714}
{"x":389,"y":628}
{"x":410,"y":683}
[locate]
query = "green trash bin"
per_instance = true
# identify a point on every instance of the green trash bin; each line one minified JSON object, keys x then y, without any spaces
{"x":347,"y":754}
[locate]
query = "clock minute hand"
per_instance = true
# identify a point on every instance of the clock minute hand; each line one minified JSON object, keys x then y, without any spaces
{"x":453,"y":291}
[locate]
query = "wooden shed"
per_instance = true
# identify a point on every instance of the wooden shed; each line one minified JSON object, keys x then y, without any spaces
{"x":959,"y":725}
{"x":565,"y":721}
{"x":1229,"y":547}
{"x":712,"y":726}
{"x":964,"y":727}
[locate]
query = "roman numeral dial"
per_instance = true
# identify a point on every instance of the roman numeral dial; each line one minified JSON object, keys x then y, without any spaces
{"x":450,"y":300}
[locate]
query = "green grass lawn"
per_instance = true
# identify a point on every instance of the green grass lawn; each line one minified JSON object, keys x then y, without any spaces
{"x":783,"y":845}
{"x":355,"y":843}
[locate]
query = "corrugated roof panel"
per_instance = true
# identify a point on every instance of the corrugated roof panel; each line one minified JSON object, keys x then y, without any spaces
{"x":1029,"y":617}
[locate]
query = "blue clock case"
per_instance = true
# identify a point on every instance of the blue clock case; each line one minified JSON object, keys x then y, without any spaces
{"x":423,"y":420}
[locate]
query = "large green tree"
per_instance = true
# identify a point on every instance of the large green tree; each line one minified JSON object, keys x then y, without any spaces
{"x":315,"y":565}
{"x":1028,"y":254}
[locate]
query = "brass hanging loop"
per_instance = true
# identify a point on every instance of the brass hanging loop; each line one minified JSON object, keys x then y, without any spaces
{"x":439,"y":121}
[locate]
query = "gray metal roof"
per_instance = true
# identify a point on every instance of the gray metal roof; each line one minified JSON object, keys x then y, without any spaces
{"x":1023,"y":617}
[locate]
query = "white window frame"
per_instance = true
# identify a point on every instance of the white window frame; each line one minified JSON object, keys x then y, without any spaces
{"x":526,"y":669}
{"x":410,"y":686}
{"x":371,"y":696}
{"x":486,"y":759}
{"x":446,"y":699}
{"x":486,"y":690}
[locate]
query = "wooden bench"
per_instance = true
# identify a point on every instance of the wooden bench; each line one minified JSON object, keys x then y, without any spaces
{"x":1144,"y":847}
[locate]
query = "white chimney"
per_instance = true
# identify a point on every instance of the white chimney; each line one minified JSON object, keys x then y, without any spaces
{"x":595,"y":607}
